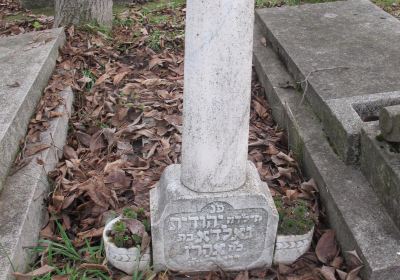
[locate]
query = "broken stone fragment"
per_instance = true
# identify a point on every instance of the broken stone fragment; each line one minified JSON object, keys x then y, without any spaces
{"x":389,"y":121}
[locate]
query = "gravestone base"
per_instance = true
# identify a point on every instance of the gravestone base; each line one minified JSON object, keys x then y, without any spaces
{"x":194,"y":231}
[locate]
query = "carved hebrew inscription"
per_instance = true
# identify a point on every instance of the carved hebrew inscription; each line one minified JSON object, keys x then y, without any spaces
{"x":218,"y":234}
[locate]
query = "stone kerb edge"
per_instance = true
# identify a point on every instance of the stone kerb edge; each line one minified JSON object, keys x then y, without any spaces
{"x":27,"y":189}
{"x":351,"y":219}
{"x":11,"y":137}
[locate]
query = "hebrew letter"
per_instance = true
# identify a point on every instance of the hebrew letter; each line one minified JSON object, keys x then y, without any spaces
{"x":172,"y":226}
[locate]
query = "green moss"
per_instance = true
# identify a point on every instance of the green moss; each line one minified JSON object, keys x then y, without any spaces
{"x":119,"y":226}
{"x":274,"y":3}
{"x":129,"y":213}
{"x":295,"y":219}
{"x":379,"y":138}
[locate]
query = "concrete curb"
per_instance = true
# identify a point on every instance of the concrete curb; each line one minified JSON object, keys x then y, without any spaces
{"x":28,"y":64}
{"x":384,"y":173}
{"x":21,"y":201}
{"x":354,"y":210}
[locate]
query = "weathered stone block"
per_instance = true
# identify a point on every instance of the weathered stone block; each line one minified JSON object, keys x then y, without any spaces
{"x":389,"y":121}
{"x":194,"y":231}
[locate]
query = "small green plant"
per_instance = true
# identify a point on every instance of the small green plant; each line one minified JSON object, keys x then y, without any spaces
{"x":154,"y":40}
{"x":129,"y":232}
{"x":294,"y":218}
{"x":129,"y":213}
{"x":124,"y":22}
{"x":90,"y":79}
{"x":36,"y":25}
{"x":64,"y":252}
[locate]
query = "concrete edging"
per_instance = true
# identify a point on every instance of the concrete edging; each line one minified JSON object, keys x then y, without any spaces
{"x":354,"y":210}
{"x":24,"y":192}
{"x":30,"y":60}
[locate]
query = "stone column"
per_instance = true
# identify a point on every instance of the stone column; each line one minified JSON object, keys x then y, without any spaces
{"x":218,"y":58}
{"x":213,"y":211}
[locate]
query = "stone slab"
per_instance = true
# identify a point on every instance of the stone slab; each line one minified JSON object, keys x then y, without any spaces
{"x":354,"y":210}
{"x":22,"y":199}
{"x":380,"y":162}
{"x":227,"y":231}
{"x":26,"y":63}
{"x":345,"y":50}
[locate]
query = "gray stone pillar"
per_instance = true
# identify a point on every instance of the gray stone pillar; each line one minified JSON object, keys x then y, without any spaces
{"x":213,"y":211}
{"x":218,"y":58}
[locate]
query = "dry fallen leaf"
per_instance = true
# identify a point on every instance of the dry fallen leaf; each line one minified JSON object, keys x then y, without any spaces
{"x":327,"y":249}
{"x":38,"y":272}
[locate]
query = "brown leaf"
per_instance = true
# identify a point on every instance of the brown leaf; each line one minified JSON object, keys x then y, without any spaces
{"x":97,"y":142}
{"x":60,"y":277}
{"x":38,"y":272}
{"x":135,"y":226}
{"x":83,"y":138}
{"x":342,"y":274}
{"x":326,"y":249}
{"x":96,"y":232}
{"x":93,"y":266}
{"x":243,"y":276}
{"x":55,"y":114}
{"x":353,"y":274}
{"x":260,"y":109}
{"x":119,"y":77}
{"x":102,"y":79}
{"x":69,"y":152}
{"x":353,"y":260}
{"x":327,"y":272}
{"x":337,"y":262}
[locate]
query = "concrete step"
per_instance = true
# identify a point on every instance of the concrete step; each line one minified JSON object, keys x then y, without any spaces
{"x":354,"y":210}
{"x":346,"y":57}
{"x":26,"y":63}
{"x":23,"y":195}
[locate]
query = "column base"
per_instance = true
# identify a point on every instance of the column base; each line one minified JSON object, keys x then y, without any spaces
{"x":194,"y":231}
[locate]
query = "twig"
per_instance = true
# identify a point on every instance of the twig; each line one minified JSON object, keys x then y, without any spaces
{"x":315,"y":71}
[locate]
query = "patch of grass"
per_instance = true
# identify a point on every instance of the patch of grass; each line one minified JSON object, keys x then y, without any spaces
{"x":75,"y":274}
{"x":125,"y":22}
{"x":154,"y":40}
{"x":295,"y":218}
{"x":91,"y":78}
{"x":158,"y":19}
{"x":162,"y":4}
{"x":119,"y":8}
{"x":47,"y":11}
{"x":386,"y":3}
{"x":275,"y":3}
{"x":96,"y":28}
{"x":64,"y":251}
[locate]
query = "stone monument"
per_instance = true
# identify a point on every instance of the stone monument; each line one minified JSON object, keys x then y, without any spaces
{"x":213,"y":211}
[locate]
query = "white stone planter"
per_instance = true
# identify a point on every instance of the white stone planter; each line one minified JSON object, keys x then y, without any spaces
{"x":289,"y":248}
{"x":127,"y":260}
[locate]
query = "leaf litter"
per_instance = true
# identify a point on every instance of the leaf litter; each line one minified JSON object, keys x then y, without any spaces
{"x":126,"y":128}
